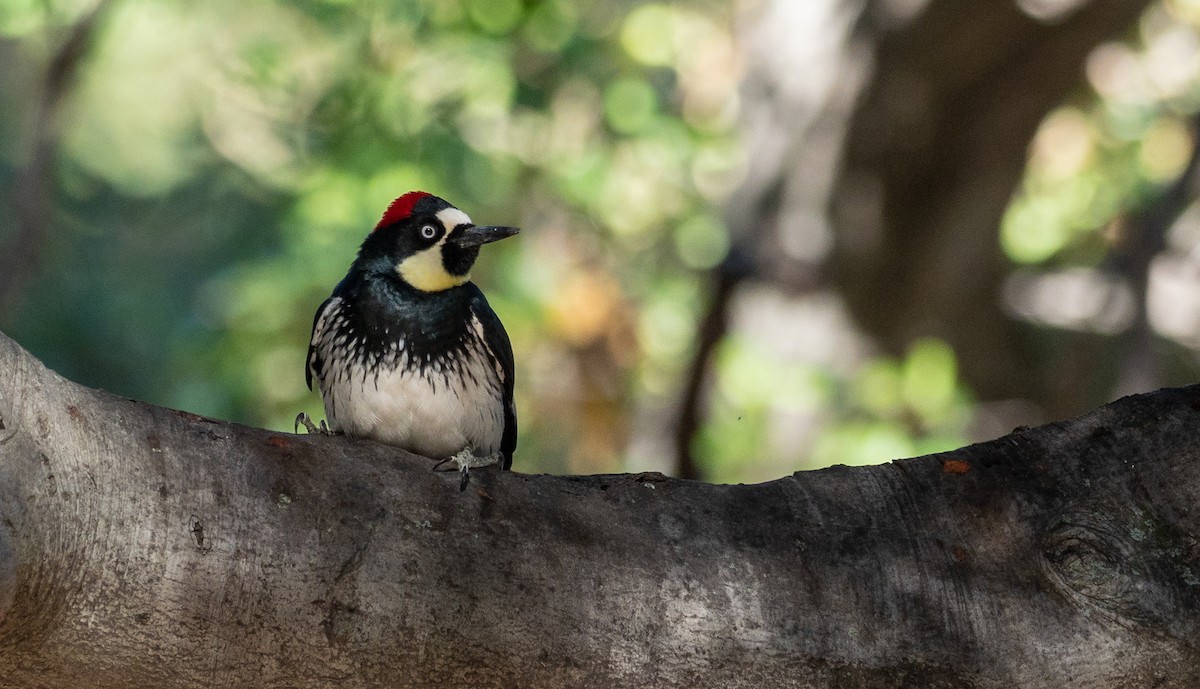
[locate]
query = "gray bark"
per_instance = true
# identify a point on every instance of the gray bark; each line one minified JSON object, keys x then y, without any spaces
{"x":145,"y":547}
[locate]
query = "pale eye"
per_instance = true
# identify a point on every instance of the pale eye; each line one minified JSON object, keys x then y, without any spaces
{"x":428,"y":232}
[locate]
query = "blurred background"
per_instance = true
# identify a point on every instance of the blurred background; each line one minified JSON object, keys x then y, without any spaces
{"x":758,"y":235}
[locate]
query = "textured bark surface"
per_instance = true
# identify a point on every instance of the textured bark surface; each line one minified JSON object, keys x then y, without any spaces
{"x":144,"y":547}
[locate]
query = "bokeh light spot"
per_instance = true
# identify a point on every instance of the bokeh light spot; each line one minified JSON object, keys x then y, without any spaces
{"x":629,"y":104}
{"x":495,"y":16}
{"x":647,"y":35}
{"x":701,"y":241}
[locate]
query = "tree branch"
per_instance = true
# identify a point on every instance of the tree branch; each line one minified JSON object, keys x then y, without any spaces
{"x":141,"y":546}
{"x":1146,"y":237}
{"x":709,"y":333}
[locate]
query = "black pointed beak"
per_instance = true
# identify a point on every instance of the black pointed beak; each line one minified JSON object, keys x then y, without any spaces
{"x":475,"y":235}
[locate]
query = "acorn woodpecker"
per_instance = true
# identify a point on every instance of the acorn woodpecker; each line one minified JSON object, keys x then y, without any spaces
{"x":407,"y":350}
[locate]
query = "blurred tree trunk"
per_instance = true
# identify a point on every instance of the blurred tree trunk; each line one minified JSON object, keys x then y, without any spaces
{"x":141,"y":546}
{"x":35,"y":183}
{"x":933,"y":155}
{"x":885,"y":144}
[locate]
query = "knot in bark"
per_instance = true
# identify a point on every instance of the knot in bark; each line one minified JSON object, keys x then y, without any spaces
{"x":1120,"y":560}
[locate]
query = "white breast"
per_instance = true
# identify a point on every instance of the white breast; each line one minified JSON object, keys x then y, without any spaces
{"x":424,"y":409}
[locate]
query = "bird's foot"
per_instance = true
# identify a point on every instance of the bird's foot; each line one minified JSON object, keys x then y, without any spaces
{"x":303,"y":419}
{"x":464,"y":461}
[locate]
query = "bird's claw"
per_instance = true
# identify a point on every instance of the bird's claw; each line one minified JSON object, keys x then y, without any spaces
{"x":464,"y":461}
{"x":303,"y":419}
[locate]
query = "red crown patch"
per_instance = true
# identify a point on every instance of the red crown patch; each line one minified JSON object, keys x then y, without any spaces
{"x":401,"y":208}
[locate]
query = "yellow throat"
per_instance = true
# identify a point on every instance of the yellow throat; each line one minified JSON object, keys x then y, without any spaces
{"x":425,"y":271}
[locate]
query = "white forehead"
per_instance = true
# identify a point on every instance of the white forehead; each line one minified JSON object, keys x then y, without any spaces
{"x":452,"y":218}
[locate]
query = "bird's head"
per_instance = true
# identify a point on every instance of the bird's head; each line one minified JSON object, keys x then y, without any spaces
{"x":430,"y":244}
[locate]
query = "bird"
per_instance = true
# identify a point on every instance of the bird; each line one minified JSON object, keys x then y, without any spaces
{"x":407,"y":351}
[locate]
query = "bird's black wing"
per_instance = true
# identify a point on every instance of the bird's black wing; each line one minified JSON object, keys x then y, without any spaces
{"x":497,"y":340}
{"x":314,"y":364}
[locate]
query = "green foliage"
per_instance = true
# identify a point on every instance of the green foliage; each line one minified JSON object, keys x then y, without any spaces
{"x":788,"y":416}
{"x":1113,"y":150}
